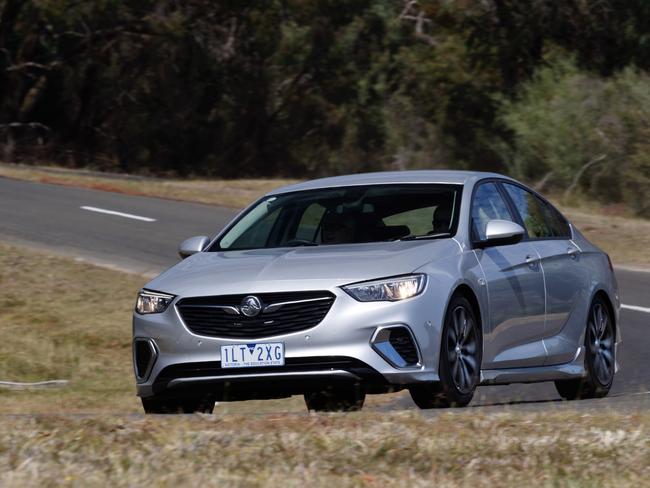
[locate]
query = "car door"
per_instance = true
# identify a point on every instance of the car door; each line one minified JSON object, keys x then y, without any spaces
{"x":515,"y":286}
{"x":566,"y":280}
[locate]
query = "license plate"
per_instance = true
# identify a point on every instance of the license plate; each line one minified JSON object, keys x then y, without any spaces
{"x":252,"y":355}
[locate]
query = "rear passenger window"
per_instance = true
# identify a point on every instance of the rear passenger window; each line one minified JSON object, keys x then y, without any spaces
{"x":540,"y":219}
{"x":488,"y":204}
{"x":559,"y":225}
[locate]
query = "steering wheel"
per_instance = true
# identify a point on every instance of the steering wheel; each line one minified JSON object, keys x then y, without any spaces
{"x":300,"y":242}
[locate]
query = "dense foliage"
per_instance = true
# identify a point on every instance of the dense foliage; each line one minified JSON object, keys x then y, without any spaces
{"x":539,"y":88}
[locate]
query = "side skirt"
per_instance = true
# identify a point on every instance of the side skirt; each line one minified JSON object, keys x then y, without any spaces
{"x":574,"y":369}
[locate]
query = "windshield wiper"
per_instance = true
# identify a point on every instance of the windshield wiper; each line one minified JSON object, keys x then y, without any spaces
{"x":422,"y":237}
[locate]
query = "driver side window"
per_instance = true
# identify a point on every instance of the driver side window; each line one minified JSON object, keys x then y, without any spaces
{"x":488,"y":204}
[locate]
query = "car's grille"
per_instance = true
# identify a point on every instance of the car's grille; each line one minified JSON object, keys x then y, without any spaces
{"x":301,"y":310}
{"x":402,"y":342}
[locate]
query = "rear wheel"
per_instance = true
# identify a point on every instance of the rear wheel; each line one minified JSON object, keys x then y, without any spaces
{"x":335,"y":399}
{"x":177,"y":405}
{"x":460,"y":360}
{"x":599,"y":357}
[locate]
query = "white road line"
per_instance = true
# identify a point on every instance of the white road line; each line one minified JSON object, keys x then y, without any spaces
{"x":119,"y":214}
{"x":635,"y":308}
{"x":634,"y":269}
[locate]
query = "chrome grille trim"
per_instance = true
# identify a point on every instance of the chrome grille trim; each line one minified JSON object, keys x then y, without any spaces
{"x":273,"y":307}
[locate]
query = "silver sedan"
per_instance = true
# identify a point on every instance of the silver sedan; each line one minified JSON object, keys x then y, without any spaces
{"x":431,"y":281}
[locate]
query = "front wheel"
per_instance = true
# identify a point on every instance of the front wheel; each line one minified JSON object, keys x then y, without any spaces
{"x":599,"y":357}
{"x":155,"y":405}
{"x":460,"y":360}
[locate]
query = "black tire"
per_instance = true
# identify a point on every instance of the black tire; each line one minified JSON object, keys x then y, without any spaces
{"x":600,"y":357}
{"x":154,"y":405}
{"x":335,"y":399}
{"x":461,"y":353}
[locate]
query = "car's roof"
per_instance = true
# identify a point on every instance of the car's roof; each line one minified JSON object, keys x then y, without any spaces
{"x":388,"y":177}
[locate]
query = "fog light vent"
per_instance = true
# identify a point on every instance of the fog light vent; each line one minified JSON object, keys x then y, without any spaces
{"x":402,"y":342}
{"x":397,"y":346}
{"x":144,"y":357}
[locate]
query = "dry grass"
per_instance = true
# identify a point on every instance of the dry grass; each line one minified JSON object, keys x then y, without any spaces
{"x":227,"y":193}
{"x":60,"y":319}
{"x":623,"y":237}
{"x":364,"y":449}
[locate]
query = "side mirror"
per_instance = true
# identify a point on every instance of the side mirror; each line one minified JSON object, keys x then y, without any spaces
{"x":501,"y":233}
{"x":192,"y":246}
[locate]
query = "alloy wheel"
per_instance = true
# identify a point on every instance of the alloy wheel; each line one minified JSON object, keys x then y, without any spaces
{"x":462,"y":345}
{"x":601,"y":343}
{"x":600,"y":361}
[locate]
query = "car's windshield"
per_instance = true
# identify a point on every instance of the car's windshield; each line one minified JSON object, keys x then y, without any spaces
{"x":346,"y":215}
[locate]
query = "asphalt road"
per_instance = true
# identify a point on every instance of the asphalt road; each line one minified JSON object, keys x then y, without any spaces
{"x":52,"y":216}
{"x":143,"y":236}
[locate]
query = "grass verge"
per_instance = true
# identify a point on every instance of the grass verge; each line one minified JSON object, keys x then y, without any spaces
{"x":363,"y":449}
{"x":226,"y":193}
{"x":623,"y":237}
{"x":60,"y":319}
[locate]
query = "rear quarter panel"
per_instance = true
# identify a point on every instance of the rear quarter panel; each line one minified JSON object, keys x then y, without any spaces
{"x":601,"y":276}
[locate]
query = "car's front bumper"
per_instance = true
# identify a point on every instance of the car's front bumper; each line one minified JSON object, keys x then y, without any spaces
{"x":340,"y":348}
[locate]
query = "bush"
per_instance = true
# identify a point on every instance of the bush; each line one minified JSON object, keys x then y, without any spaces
{"x":583,"y":132}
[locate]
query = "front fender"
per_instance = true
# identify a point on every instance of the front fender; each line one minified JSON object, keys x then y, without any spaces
{"x":446,"y":277}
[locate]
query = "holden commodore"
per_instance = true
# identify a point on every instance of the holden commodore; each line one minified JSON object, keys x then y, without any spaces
{"x":431,"y":281}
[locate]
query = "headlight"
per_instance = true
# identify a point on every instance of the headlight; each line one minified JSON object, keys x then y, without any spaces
{"x":390,"y":289}
{"x":152,"y":302}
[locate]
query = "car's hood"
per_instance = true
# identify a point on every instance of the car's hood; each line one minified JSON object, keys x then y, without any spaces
{"x":298,"y":268}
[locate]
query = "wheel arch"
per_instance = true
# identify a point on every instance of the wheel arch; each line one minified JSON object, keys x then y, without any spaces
{"x":465,"y":290}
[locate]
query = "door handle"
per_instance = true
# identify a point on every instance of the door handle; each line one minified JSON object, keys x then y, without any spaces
{"x":531,"y":261}
{"x":573,"y":252}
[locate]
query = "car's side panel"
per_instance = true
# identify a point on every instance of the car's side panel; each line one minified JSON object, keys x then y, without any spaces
{"x":589,"y":274}
{"x":514,"y":328}
{"x":566,"y":278}
{"x":515,"y":286}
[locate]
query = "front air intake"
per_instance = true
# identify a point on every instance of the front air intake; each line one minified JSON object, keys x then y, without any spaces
{"x":397,"y":346}
{"x":144,"y":357}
